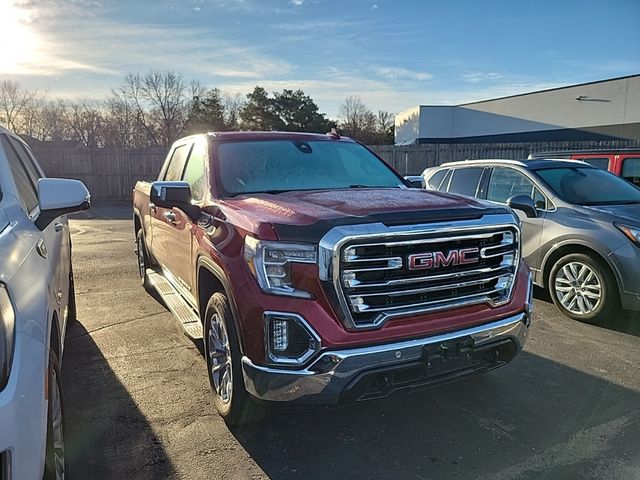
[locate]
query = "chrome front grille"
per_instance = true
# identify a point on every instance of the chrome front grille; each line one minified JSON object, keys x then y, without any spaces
{"x":382,"y":276}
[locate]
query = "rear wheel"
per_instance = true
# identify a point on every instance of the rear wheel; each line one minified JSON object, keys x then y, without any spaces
{"x":55,"y":464}
{"x":583,"y":288}
{"x":222,"y":352}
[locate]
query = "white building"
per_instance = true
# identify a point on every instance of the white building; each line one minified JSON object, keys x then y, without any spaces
{"x":603,"y":110}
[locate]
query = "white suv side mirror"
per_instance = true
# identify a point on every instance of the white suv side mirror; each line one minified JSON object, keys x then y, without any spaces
{"x":59,"y":196}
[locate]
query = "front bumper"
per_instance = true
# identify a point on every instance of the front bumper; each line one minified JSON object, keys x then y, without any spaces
{"x":369,"y":372}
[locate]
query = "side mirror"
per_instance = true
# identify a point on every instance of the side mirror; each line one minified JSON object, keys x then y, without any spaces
{"x":523,"y":203}
{"x":59,"y":196}
{"x":174,"y":195}
{"x":414,"y":181}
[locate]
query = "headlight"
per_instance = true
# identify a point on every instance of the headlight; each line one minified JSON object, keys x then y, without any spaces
{"x":7,"y":334}
{"x":632,"y":233}
{"x":270,"y":263}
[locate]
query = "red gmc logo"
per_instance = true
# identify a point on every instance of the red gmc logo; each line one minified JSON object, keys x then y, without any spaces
{"x":425,"y":261}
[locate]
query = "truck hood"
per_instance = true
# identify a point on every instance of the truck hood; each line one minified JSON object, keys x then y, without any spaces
{"x":292,"y":214}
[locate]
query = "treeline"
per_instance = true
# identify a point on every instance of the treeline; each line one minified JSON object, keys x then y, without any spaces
{"x":156,"y":108}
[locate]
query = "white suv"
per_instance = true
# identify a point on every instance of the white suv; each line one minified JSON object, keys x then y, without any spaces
{"x":36,"y":303}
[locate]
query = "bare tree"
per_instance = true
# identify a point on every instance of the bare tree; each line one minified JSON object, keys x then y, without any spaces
{"x":30,"y":122}
{"x":233,"y":104}
{"x":161,"y":102}
{"x":85,"y":121}
{"x":386,"y":126}
{"x":13,"y":99}
{"x":356,"y":118}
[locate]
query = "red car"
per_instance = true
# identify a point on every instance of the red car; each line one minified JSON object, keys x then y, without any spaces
{"x":314,"y":274}
{"x":624,"y":163}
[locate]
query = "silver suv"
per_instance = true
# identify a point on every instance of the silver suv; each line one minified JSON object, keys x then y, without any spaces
{"x":36,"y":303}
{"x":580,"y":227}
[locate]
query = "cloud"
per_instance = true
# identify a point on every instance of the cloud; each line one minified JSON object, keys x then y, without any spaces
{"x":397,"y":73}
{"x":297,"y":3}
{"x":482,"y":76}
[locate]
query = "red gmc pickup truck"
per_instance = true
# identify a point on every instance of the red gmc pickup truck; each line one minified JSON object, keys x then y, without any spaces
{"x":315,"y":275}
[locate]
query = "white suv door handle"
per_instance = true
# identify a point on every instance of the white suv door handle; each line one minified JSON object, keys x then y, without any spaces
{"x":58,"y":227}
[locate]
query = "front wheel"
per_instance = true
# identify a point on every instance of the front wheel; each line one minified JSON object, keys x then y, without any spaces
{"x":222,"y":352}
{"x":55,"y":464}
{"x":143,"y":260}
{"x":583,"y":288}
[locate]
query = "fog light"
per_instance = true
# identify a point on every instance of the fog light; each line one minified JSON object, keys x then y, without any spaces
{"x":279,"y":335}
{"x":289,"y":339}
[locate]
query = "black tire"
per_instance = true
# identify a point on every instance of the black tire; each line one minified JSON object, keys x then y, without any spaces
{"x":55,"y":459}
{"x":142,"y":258}
{"x":591,"y":301}
{"x":234,"y":404}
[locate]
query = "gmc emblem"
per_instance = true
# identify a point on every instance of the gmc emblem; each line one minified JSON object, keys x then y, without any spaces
{"x":425,"y":261}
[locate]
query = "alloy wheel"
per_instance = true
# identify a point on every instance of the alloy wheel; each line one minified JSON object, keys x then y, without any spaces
{"x":578,"y":287}
{"x":56,"y":424}
{"x":219,"y":352}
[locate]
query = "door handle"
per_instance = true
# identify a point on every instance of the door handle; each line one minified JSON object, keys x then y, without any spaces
{"x":170,"y":216}
{"x":58,"y":227}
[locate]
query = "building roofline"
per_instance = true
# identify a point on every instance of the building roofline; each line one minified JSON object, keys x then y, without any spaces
{"x":552,"y":89}
{"x":637,"y":75}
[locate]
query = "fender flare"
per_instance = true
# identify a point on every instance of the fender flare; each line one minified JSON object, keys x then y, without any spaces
{"x":220,"y":275}
{"x":582,"y":244}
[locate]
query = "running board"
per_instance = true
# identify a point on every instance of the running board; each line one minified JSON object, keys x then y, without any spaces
{"x":187,"y":316}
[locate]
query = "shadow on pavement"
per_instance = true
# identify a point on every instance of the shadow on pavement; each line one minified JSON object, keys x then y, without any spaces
{"x":625,"y":322}
{"x":535,"y":419}
{"x":106,"y":436}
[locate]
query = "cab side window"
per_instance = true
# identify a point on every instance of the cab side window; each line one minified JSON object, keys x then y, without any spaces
{"x":464,"y":181}
{"x":598,"y":162}
{"x":436,"y":179}
{"x":195,"y":171}
{"x":631,"y":170}
{"x":507,"y":182}
{"x":25,"y":182}
{"x":176,"y":163}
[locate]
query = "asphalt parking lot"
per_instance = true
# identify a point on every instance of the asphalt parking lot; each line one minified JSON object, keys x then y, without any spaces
{"x":138,"y":403}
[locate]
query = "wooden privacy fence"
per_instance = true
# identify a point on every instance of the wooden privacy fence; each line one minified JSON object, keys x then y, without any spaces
{"x":111,"y":173}
{"x":108,"y":173}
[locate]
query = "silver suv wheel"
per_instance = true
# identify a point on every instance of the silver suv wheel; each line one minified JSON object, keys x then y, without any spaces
{"x":578,"y":288}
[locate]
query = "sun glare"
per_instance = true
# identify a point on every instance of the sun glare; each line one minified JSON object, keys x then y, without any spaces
{"x":22,"y":43}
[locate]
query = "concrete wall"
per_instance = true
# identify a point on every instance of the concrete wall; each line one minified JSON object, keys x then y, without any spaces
{"x":604,"y":107}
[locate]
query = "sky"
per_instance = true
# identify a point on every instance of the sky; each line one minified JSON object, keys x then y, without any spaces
{"x":394,"y":54}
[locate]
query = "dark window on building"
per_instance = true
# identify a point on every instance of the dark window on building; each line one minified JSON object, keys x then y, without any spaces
{"x":601,"y":163}
{"x":465,"y":181}
{"x":436,"y":179}
{"x":24,"y":183}
{"x":176,"y":164}
{"x":631,"y":170}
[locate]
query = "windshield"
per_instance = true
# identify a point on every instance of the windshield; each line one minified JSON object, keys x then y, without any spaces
{"x":589,"y":186}
{"x":281,"y":165}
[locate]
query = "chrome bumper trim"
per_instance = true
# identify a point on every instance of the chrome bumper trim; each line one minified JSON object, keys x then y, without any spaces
{"x":326,"y":378}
